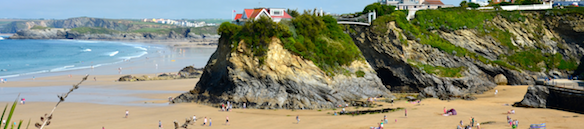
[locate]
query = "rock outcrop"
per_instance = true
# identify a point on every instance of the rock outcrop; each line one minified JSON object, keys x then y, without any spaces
{"x":284,"y":80}
{"x":396,"y":54}
{"x":536,"y":97}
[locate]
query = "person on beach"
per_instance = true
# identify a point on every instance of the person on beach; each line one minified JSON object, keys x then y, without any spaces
{"x":496,"y":91}
{"x":385,"y":118}
{"x":406,"y":112}
{"x":461,"y":123}
{"x":205,"y":121}
{"x":472,"y":121}
{"x":159,"y":124}
{"x":23,"y":101}
{"x":127,"y":113}
{"x":381,"y":125}
{"x":227,"y":120}
{"x":33,"y":78}
{"x":444,"y":110}
{"x":194,"y":119}
{"x":210,"y":121}
{"x":244,"y":106}
{"x":297,"y":119}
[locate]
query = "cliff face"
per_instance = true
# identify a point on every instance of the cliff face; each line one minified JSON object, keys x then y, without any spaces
{"x":396,"y":56}
{"x":60,"y":33}
{"x":283,"y":81}
{"x":119,"y":25}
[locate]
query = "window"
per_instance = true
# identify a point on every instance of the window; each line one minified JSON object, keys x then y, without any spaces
{"x":277,"y":12}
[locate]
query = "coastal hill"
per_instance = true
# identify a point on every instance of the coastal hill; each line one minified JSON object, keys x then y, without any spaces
{"x":453,"y":53}
{"x":266,"y":65}
{"x":107,"y":29}
{"x":444,"y":53}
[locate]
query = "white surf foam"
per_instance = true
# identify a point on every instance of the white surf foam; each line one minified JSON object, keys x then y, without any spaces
{"x":87,"y":50}
{"x":113,"y":53}
{"x":136,"y":56}
{"x":141,"y":48}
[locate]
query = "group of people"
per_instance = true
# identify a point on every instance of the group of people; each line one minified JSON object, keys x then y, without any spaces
{"x":471,"y":125}
{"x":512,"y":123}
{"x":2,"y":80}
{"x":227,"y":107}
{"x":383,"y":121}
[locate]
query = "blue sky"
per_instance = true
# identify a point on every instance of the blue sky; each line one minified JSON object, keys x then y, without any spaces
{"x":173,"y":9}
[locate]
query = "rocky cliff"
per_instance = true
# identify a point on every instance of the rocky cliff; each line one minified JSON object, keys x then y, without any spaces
{"x":119,"y":25}
{"x":410,"y":62}
{"x":285,"y":80}
{"x":61,"y":33}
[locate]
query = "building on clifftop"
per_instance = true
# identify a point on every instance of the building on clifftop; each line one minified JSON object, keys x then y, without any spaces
{"x":276,"y":14}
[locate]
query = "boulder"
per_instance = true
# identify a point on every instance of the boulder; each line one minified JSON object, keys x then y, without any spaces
{"x":500,"y":79}
{"x":128,"y":78}
{"x":536,"y":97}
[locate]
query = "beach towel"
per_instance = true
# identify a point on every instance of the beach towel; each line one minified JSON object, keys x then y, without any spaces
{"x":537,"y":126}
{"x":451,"y":111}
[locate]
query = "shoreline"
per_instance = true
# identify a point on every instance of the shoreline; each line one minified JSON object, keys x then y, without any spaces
{"x":154,"y":58}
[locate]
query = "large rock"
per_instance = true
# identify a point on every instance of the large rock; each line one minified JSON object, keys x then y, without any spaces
{"x":536,"y":97}
{"x":283,"y":81}
{"x":500,"y":79}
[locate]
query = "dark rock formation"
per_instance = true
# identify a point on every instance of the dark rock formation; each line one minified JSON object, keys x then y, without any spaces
{"x":553,"y":97}
{"x":536,"y":97}
{"x":283,"y":81}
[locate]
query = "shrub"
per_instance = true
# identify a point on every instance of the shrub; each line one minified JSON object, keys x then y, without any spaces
{"x":39,"y":27}
{"x":380,"y":9}
{"x":360,"y":73}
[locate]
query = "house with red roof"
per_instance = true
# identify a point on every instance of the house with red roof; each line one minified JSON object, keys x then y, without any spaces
{"x":276,"y":14}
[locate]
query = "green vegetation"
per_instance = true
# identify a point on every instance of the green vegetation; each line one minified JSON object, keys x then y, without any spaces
{"x":93,"y":30}
{"x":319,"y":39}
{"x":438,"y":70}
{"x":196,"y":30}
{"x":381,"y":9}
{"x":534,"y":60}
{"x":39,"y":28}
{"x":293,"y":12}
{"x":9,"y":116}
{"x":360,"y":73}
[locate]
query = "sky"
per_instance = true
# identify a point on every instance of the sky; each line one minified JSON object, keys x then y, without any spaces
{"x":168,"y":9}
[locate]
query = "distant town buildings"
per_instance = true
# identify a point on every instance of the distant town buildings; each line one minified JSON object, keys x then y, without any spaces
{"x":276,"y":14}
{"x":179,"y":22}
{"x":415,"y":4}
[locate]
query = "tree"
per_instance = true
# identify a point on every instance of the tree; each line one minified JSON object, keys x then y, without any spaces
{"x":463,"y":4}
{"x":293,"y":12}
{"x":381,"y":9}
{"x":473,"y":5}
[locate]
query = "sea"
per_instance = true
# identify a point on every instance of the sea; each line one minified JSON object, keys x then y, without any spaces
{"x":28,"y":57}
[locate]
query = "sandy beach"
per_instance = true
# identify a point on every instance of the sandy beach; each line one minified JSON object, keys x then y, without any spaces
{"x":427,"y":114}
{"x":102,"y":103}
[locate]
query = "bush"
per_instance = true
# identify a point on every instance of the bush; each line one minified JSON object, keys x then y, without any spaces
{"x":360,"y":73}
{"x":319,"y":39}
{"x":39,"y":27}
{"x":473,"y":5}
{"x":381,"y":9}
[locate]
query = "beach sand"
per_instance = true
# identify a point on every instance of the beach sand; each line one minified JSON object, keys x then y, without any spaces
{"x":427,"y":114}
{"x":76,"y":113}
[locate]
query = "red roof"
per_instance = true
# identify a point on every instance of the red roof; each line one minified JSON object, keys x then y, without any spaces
{"x":256,"y":12}
{"x":238,"y":16}
{"x":433,"y":2}
{"x":248,"y":12}
{"x":253,"y":13}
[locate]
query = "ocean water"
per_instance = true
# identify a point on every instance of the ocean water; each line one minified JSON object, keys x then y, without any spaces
{"x":26,"y":57}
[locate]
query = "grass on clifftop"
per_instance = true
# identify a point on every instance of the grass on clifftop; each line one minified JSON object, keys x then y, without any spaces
{"x":423,"y":29}
{"x":39,"y":28}
{"x":312,"y":37}
{"x":93,"y":30}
